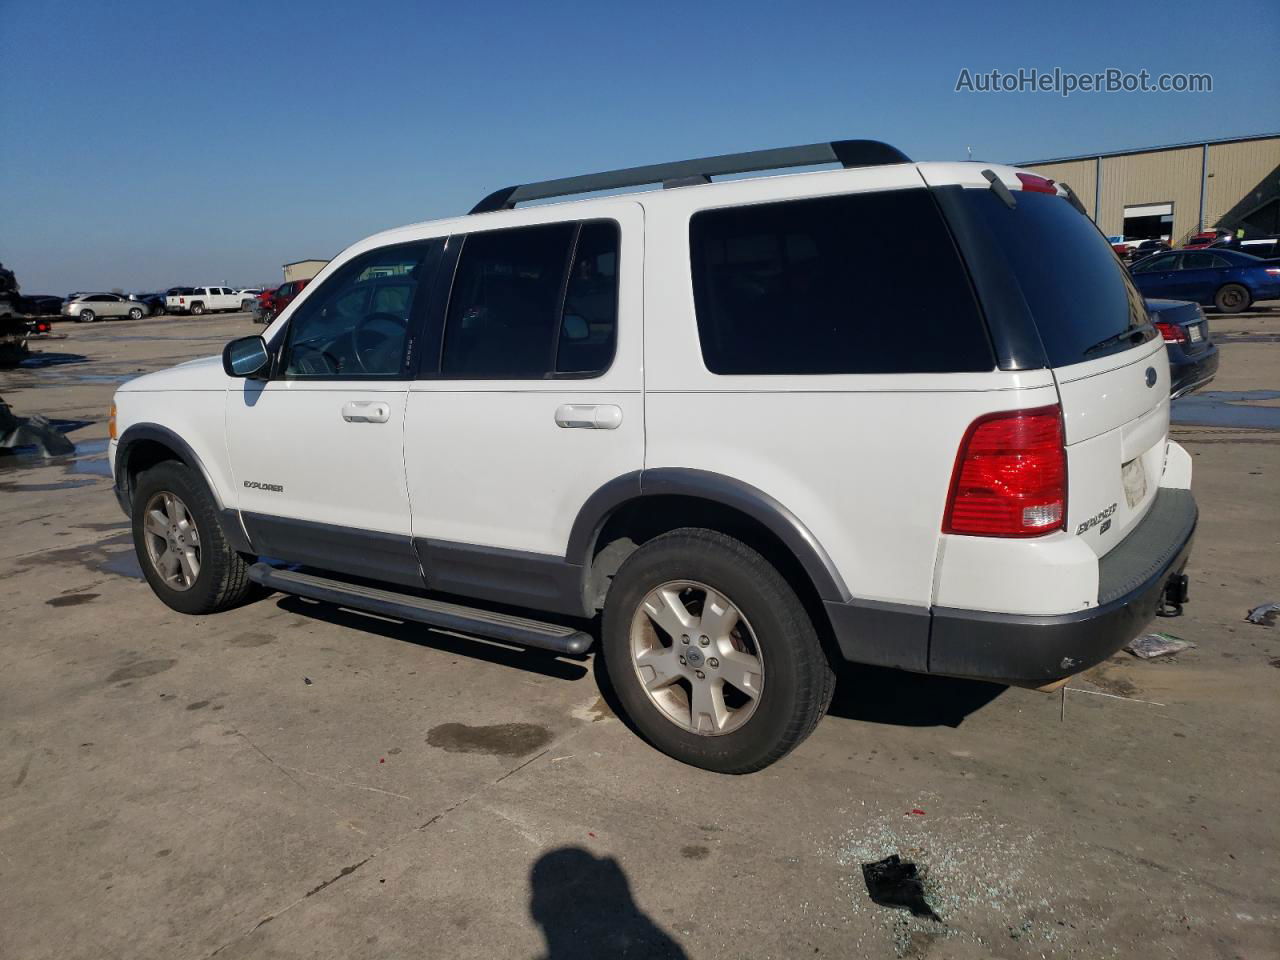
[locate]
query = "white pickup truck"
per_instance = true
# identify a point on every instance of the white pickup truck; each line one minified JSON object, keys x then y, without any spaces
{"x":198,"y":300}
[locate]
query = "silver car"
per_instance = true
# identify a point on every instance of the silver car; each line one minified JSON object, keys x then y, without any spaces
{"x":87,"y":307}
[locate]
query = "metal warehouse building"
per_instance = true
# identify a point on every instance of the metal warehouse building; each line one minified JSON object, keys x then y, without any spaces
{"x":1177,"y":190}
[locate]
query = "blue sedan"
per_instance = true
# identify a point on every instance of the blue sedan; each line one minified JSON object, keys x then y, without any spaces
{"x":1226,"y":279}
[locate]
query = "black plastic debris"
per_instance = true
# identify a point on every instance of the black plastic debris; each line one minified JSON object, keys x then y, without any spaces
{"x":307,"y":681}
{"x":894,"y":882}
{"x":1264,"y":615}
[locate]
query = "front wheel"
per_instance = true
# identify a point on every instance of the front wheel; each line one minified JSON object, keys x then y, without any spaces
{"x":178,"y":538}
{"x":711,"y":653}
{"x":135,"y":313}
{"x":1232,"y":298}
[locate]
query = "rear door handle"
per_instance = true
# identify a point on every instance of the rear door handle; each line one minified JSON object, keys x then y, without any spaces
{"x":366,"y":411}
{"x":605,"y":416}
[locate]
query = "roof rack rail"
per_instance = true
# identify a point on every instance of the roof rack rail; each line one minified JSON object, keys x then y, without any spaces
{"x":681,"y":173}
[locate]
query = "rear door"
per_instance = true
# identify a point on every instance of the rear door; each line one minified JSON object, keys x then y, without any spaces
{"x":1109,"y":362}
{"x":532,"y":403}
{"x":1156,"y":277}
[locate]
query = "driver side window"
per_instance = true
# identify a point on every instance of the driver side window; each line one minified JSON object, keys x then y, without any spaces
{"x":359,"y":322}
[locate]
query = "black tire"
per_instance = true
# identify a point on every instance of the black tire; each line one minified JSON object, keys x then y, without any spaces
{"x":86,"y":316}
{"x":798,"y":679}
{"x":135,"y":313}
{"x":246,"y":306}
{"x":1232,"y":298}
{"x":223,"y":580}
{"x":197,"y":309}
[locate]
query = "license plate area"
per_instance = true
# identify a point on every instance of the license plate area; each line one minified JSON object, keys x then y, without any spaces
{"x":1133,"y":476}
{"x":1195,"y":332}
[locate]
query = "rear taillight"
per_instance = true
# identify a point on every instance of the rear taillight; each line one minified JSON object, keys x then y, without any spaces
{"x":1036,"y":184}
{"x":1171,"y":332}
{"x":182,"y":299}
{"x":1273,"y":271}
{"x":1010,"y":477}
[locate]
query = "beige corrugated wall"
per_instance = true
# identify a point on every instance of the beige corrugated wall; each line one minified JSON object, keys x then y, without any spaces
{"x":1242,"y":177}
{"x":1167,"y":176}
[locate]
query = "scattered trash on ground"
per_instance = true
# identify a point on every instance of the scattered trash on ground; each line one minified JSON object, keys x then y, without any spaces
{"x":34,"y":432}
{"x":893,"y":882}
{"x":1152,"y":645}
{"x":1264,"y":615}
{"x":307,"y":681}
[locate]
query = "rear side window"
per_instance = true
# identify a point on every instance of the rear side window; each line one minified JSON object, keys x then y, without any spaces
{"x":534,"y":302}
{"x":818,"y":287}
{"x":1079,"y":294}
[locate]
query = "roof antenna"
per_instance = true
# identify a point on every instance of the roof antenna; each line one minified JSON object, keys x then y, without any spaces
{"x":969,"y":150}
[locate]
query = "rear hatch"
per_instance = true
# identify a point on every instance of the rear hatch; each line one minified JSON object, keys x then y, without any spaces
{"x":1060,"y":276}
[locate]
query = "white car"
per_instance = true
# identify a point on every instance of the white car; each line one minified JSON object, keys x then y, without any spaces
{"x":200,"y":300}
{"x":724,"y":415}
{"x":88,"y":307}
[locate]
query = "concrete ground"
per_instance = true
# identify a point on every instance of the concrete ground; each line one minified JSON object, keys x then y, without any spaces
{"x":294,"y":780}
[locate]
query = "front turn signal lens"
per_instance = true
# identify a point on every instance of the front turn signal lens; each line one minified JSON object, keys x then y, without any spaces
{"x":111,"y":422}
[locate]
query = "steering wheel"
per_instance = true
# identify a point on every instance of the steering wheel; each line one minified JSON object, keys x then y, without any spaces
{"x":367,"y":326}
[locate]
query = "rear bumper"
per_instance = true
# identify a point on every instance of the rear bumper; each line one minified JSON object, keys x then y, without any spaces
{"x":1027,"y":649}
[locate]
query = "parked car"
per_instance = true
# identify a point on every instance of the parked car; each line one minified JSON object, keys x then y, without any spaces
{"x":1147,"y":248}
{"x":202,"y":300}
{"x":1264,"y":247}
{"x":1193,"y":356}
{"x":274,"y":301}
{"x":691,"y":412}
{"x":154,"y":302}
{"x":1203,"y":239}
{"x":248,"y":297}
{"x":39,"y":305}
{"x":88,"y":307}
{"x":1226,"y":279}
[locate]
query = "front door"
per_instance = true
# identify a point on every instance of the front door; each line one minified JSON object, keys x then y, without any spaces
{"x":317,"y":449}
{"x":532,"y":403}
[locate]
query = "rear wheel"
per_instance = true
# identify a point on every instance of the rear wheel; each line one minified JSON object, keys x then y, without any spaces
{"x":712,"y":654}
{"x":1232,"y":298}
{"x":197,"y":309}
{"x":135,"y":313}
{"x":86,"y":316}
{"x":181,"y":547}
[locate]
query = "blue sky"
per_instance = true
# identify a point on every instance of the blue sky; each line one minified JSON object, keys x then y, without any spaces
{"x":148,"y":144}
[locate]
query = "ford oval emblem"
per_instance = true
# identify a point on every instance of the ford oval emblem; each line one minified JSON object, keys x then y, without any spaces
{"x":1151,"y":376}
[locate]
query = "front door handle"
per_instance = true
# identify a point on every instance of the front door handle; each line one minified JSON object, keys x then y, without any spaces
{"x":605,"y":416}
{"x":366,"y":411}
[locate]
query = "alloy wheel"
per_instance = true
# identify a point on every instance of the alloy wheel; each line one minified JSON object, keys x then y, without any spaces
{"x":696,"y":657}
{"x":172,"y":540}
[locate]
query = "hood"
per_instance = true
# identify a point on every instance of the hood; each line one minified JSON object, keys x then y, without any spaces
{"x":205,"y":373}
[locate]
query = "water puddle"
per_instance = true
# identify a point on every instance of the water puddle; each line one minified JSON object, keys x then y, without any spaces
{"x":1228,"y":408}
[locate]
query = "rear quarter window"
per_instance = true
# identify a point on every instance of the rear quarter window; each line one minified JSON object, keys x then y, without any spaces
{"x":814,"y":286}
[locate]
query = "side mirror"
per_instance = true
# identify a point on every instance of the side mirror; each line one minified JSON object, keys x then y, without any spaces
{"x":245,"y":357}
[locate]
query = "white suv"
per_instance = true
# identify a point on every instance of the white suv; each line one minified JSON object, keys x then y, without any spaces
{"x":726,"y":417}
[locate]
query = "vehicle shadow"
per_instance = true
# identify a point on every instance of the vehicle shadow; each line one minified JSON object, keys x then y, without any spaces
{"x":883,"y":695}
{"x":535,"y":661}
{"x":584,"y":907}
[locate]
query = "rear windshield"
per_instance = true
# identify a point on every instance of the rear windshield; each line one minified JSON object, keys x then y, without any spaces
{"x":1079,"y":293}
